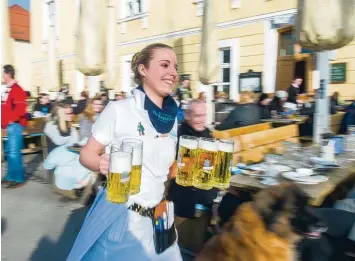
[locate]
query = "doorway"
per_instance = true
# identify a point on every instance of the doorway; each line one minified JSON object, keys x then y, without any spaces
{"x":300,"y":71}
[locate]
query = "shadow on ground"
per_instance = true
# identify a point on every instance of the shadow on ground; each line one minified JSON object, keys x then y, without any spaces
{"x":58,"y":251}
{"x":3,"y":225}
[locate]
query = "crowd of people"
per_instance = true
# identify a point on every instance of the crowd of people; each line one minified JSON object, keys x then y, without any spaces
{"x":58,"y":128}
{"x":126,"y":230}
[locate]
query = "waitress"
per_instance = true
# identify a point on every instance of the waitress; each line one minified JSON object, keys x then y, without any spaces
{"x":115,"y":232}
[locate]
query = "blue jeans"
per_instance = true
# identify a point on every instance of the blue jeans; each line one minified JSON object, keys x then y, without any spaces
{"x":15,"y":168}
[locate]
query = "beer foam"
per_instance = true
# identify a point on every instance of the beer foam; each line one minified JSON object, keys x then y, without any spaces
{"x":188,"y":143}
{"x":208,"y":145}
{"x":226,"y":147}
{"x":120,"y":162}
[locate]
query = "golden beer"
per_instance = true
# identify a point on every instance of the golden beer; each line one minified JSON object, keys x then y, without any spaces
{"x":119,"y":176}
{"x":136,"y":146}
{"x":206,"y":159}
{"x":222,"y":172}
{"x":185,"y":162}
{"x":136,"y":176}
{"x":118,"y":187}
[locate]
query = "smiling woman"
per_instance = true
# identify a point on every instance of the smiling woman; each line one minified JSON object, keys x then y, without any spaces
{"x":125,"y":231}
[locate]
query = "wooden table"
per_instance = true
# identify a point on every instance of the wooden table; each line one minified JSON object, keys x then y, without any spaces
{"x":317,"y":192}
{"x":282,"y":121}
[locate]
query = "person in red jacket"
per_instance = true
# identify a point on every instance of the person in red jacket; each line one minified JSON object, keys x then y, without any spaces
{"x":13,"y":119}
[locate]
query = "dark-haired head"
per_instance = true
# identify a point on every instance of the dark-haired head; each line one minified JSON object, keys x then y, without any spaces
{"x":8,"y":73}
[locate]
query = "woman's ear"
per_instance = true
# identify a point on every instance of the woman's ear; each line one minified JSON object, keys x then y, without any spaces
{"x":141,"y":70}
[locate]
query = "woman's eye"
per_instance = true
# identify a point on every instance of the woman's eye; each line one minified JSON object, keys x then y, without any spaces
{"x":165,"y":65}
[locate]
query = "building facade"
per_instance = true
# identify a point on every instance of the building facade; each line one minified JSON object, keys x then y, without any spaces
{"x":19,"y":22}
{"x":253,"y":36}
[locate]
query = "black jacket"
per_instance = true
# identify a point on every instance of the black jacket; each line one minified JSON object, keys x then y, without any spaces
{"x":264,"y":111}
{"x":292,"y":94}
{"x":80,"y":106}
{"x":242,"y":115}
{"x":185,"y":198}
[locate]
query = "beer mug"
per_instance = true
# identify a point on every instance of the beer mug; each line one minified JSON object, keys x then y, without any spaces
{"x":185,"y":161}
{"x":136,"y":146}
{"x":224,"y":163}
{"x":204,"y":168}
{"x":119,"y":174}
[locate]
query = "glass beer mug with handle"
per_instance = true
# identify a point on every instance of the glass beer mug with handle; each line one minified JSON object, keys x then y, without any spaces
{"x":136,"y":146}
{"x":203,"y":171}
{"x":119,"y":174}
{"x":224,"y":163}
{"x":185,"y":162}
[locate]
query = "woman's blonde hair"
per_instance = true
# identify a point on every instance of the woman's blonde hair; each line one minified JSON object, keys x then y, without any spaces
{"x":246,"y":97}
{"x":89,"y":111}
{"x":144,"y":57}
{"x":58,"y":117}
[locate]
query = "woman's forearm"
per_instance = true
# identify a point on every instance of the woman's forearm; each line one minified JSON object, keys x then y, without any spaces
{"x":90,"y":159}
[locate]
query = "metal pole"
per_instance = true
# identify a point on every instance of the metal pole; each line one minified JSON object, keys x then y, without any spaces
{"x":321,"y":116}
{"x":51,"y":45}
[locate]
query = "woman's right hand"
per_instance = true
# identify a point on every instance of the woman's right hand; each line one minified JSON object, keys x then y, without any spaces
{"x":103,"y":165}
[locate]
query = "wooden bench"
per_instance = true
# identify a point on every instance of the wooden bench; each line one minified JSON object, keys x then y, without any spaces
{"x":33,"y":131}
{"x":241,"y":131}
{"x":250,"y":148}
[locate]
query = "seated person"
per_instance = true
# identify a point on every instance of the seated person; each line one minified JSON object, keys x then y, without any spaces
{"x":246,"y":113}
{"x":43,"y":106}
{"x":81,"y":105}
{"x":264,"y":104}
{"x":349,"y":118}
{"x":334,"y":99}
{"x":185,"y":198}
{"x":89,"y":115}
{"x":69,"y":173}
{"x":277,"y":103}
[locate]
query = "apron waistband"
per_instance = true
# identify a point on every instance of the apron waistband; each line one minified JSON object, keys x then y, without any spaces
{"x":145,"y":212}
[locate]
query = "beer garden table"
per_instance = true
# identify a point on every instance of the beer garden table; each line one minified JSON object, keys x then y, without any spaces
{"x":286,"y":121}
{"x":316,"y":192}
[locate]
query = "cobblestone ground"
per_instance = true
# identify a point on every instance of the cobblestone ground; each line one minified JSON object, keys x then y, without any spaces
{"x":36,"y":223}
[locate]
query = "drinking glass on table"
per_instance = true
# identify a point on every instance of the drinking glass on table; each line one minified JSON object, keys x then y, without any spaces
{"x":274,"y":114}
{"x":270,"y":161}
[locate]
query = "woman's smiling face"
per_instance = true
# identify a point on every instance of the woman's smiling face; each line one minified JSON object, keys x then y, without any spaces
{"x":161,"y":73}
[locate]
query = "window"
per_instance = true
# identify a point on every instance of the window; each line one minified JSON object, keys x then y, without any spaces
{"x":134,"y":7}
{"x":223,"y":87}
{"x":131,"y":10}
{"x":286,"y":43}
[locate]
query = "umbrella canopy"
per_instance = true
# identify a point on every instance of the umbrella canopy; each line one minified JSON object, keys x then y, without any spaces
{"x":209,"y":63}
{"x":325,"y":25}
{"x":91,"y":37}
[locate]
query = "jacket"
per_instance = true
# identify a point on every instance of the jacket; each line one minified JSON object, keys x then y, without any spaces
{"x":242,"y":115}
{"x":292,"y":94}
{"x":13,"y":109}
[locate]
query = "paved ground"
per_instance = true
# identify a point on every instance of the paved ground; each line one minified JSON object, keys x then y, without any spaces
{"x":36,"y":223}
